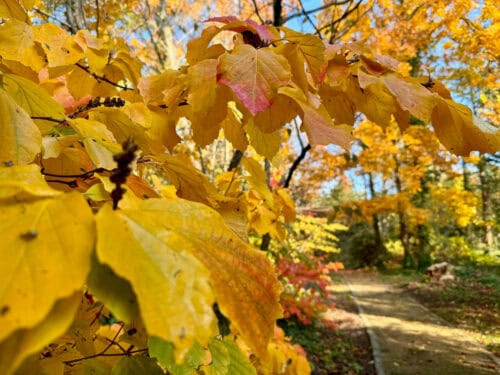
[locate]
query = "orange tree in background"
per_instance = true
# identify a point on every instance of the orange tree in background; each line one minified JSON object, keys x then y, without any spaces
{"x":115,"y":245}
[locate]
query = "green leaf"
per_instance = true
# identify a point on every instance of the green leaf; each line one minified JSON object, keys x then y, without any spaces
{"x":24,"y":342}
{"x":46,"y":249}
{"x":227,"y":358}
{"x":163,"y":352}
{"x":136,"y":365}
{"x":115,"y":292}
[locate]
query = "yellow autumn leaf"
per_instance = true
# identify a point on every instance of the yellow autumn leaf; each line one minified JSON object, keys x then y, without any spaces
{"x":33,"y":99}
{"x":58,"y":45}
{"x":190,"y":183}
{"x":266,"y":144}
{"x":17,"y":43}
{"x":172,"y":287}
{"x":23,"y":182}
{"x":317,"y":122}
{"x":12,"y":9}
{"x":21,"y":140}
{"x":411,"y":95}
{"x":207,"y":100}
{"x":312,"y":49}
{"x":24,"y":342}
{"x":175,"y":233}
{"x":233,"y":131}
{"x":98,"y":140}
{"x":461,"y":132}
{"x":124,"y":128}
{"x":257,"y":179}
{"x":46,"y":248}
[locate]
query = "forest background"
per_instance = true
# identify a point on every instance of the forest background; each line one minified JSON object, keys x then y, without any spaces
{"x":393,"y":195}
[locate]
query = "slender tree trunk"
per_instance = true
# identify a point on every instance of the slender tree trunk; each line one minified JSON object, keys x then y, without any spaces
{"x":485,"y":203}
{"x":403,"y":228}
{"x":379,"y":245}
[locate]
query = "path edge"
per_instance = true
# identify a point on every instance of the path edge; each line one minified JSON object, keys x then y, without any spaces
{"x":377,"y":354}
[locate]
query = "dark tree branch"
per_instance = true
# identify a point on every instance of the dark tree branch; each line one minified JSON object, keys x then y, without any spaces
{"x":84,"y":176}
{"x":311,"y":11}
{"x":295,"y":165}
{"x":277,"y":10}
{"x":47,"y":118}
{"x":102,"y":78}
{"x":235,"y":160}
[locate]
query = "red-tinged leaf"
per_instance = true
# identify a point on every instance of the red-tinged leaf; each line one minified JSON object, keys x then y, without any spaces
{"x":317,"y":123}
{"x":234,"y":24}
{"x":255,"y":75}
{"x":460,"y":132}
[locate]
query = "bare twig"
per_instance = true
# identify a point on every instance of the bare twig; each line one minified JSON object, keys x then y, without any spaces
{"x":84,"y":176}
{"x":47,"y":118}
{"x":47,"y":16}
{"x":324,"y":6}
{"x":102,"y":353}
{"x":102,"y":78}
{"x":306,"y":14}
{"x":257,"y":11}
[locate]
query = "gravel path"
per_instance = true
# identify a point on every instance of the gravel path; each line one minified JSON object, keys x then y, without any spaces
{"x":409,"y":339}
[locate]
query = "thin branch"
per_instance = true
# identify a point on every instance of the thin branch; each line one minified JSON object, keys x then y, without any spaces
{"x":71,"y":184}
{"x":298,"y":133}
{"x":257,"y":11}
{"x":85,"y":175}
{"x":202,"y":160}
{"x":102,"y":78}
{"x":324,"y":6}
{"x":318,"y":33}
{"x":48,"y":16}
{"x":102,"y":353}
{"x":47,"y":118}
{"x":344,"y":16}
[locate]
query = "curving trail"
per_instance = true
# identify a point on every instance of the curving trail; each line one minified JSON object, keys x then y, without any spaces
{"x":409,"y":339}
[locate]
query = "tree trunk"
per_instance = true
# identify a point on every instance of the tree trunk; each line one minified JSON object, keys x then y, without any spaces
{"x":403,"y":228}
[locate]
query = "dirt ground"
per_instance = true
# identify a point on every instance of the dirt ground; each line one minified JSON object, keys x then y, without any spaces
{"x":409,"y":339}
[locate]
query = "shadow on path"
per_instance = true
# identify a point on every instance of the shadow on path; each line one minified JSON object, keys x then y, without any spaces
{"x":409,"y":338}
